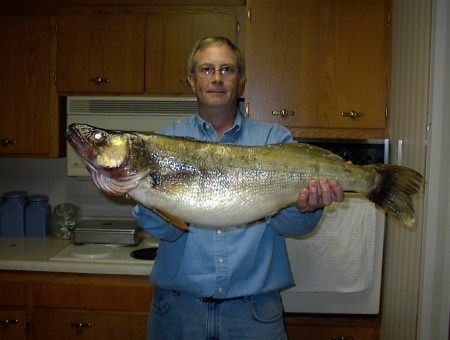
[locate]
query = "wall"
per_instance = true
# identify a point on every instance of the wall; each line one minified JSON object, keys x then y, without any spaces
{"x":411,"y":34}
{"x":416,"y":292}
{"x":434,"y":293}
{"x":48,"y":176}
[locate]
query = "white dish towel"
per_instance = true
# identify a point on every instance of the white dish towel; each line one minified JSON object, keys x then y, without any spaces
{"x":338,"y":256}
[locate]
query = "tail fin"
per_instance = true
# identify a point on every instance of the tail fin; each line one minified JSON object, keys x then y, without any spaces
{"x":394,"y":191}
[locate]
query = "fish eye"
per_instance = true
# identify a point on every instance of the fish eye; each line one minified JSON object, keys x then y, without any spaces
{"x":97,"y":135}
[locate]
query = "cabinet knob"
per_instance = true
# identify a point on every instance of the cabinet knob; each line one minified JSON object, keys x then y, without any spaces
{"x":80,"y":325}
{"x":100,"y":80}
{"x":352,"y":114}
{"x":283,"y":113}
{"x":6,"y":322}
{"x":6,"y":141}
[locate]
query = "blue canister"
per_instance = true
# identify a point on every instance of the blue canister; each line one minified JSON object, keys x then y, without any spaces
{"x":37,"y":216}
{"x":12,"y":217}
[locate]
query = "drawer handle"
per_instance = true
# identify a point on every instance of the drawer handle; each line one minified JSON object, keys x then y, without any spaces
{"x":7,"y":141}
{"x":80,"y":325}
{"x":283,"y":113}
{"x":343,"y":337}
{"x":6,"y":322}
{"x":100,"y":80}
{"x":352,"y":114}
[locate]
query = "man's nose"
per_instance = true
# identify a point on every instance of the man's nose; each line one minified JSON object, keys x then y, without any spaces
{"x":217,"y":77}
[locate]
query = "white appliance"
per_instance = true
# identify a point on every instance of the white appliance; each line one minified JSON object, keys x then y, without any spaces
{"x":365,"y":301}
{"x":123,"y":113}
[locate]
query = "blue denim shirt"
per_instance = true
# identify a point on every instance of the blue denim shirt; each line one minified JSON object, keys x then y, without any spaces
{"x":227,"y":262}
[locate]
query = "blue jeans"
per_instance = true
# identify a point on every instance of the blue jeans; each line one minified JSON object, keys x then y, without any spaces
{"x":176,"y":315}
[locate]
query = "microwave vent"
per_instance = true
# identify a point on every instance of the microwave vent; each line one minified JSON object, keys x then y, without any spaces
{"x":130,"y":106}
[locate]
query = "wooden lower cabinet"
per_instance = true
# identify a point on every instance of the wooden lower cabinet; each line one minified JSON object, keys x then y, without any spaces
{"x":332,"y":328}
{"x":13,"y":323}
{"x":88,"y":324}
{"x":73,"y":306}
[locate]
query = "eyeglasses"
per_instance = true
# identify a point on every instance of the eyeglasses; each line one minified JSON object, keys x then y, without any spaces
{"x":226,"y":71}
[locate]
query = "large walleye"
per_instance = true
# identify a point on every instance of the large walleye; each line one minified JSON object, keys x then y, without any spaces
{"x":222,"y":185}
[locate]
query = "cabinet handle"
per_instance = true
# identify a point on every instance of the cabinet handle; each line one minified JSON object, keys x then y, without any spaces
{"x":100,"y":80}
{"x":6,"y":322}
{"x":7,"y":141}
{"x":352,"y":114}
{"x":80,"y":325}
{"x":283,"y":113}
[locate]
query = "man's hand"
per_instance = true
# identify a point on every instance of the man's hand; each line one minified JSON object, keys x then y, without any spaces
{"x":319,"y":194}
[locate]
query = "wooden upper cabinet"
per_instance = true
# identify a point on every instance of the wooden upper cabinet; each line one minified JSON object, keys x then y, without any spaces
{"x":354,"y":70}
{"x":100,"y":53}
{"x":170,"y":38}
{"x":25,"y":119}
{"x":319,"y":64}
{"x":283,"y":61}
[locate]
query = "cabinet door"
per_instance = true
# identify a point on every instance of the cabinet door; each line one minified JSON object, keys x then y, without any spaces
{"x":354,"y":72}
{"x":170,"y":38}
{"x":100,"y":53}
{"x":310,"y":61}
{"x":60,"y":324}
{"x":24,"y":85}
{"x":283,"y":61}
{"x":13,"y":324}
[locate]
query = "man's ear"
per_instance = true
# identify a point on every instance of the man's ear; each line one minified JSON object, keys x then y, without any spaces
{"x":241,"y":84}
{"x":191,"y":81}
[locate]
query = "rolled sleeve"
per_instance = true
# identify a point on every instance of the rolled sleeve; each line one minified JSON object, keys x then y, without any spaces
{"x":290,"y":221}
{"x":155,"y":224}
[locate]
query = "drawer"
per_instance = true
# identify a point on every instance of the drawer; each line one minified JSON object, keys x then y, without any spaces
{"x":88,"y":296}
{"x":12,"y":293}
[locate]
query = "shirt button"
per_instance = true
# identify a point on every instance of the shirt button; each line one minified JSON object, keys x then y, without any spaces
{"x":221,"y":260}
{"x":219,"y":231}
{"x":220,"y":289}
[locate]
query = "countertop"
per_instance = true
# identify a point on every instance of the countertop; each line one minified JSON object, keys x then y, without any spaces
{"x":35,"y":253}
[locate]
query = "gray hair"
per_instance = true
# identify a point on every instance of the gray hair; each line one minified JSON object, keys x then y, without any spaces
{"x":208,"y":41}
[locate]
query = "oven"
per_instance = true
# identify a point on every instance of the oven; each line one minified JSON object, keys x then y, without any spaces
{"x":338,"y":268}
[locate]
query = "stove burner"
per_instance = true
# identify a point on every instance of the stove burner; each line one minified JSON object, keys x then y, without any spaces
{"x":91,"y":251}
{"x":144,"y":253}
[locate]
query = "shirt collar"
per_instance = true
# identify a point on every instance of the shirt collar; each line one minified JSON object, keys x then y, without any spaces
{"x":228,"y":136}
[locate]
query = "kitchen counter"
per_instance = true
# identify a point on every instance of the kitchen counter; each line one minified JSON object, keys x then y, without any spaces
{"x":35,"y":254}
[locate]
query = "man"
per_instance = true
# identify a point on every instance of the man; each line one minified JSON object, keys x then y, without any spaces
{"x":224,"y":283}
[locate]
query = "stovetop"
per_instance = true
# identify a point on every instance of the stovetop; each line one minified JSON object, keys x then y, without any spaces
{"x":111,"y":253}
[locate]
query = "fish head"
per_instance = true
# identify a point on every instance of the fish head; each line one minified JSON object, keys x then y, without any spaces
{"x":115,"y":159}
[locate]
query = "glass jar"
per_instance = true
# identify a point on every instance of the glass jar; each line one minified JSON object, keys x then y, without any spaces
{"x":12,"y":217}
{"x":65,"y":217}
{"x":37,"y":216}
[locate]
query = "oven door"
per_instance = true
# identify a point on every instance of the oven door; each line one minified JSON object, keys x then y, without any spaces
{"x":326,"y":299}
{"x":356,"y":291}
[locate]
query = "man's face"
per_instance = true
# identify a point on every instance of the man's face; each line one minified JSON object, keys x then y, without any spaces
{"x":216,"y":90}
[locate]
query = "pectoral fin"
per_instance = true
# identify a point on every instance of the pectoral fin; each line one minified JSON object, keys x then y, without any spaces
{"x":175,"y":221}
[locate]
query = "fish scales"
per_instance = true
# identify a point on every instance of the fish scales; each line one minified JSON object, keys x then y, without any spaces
{"x":225,"y":184}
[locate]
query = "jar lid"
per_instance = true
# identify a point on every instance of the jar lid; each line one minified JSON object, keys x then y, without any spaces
{"x":38,"y":198}
{"x":15,"y":194}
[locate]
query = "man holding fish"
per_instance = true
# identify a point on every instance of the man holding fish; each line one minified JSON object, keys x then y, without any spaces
{"x":223,"y":283}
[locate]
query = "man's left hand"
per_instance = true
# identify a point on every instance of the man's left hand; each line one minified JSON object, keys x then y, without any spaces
{"x":319,"y":194}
